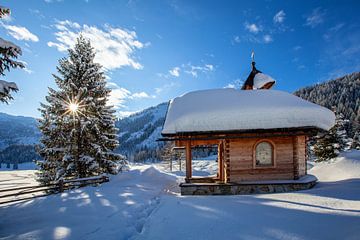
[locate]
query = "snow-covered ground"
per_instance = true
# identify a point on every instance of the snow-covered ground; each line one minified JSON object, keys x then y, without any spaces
{"x":21,"y":166}
{"x":144,"y":203}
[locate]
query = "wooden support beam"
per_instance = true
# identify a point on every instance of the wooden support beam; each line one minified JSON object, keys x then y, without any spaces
{"x":188,"y":161}
{"x":221,"y":161}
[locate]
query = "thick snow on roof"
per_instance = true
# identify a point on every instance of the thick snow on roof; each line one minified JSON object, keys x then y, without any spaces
{"x":261,"y":79}
{"x":230,"y":109}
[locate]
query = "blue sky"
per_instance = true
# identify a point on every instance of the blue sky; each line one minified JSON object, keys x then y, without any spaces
{"x":153,"y":51}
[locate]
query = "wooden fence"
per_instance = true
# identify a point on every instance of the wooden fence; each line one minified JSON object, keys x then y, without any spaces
{"x":19,"y":193}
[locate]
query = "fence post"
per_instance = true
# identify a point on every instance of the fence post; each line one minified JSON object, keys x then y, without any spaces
{"x":61,"y":185}
{"x":171,"y":159}
{"x":105,"y":179}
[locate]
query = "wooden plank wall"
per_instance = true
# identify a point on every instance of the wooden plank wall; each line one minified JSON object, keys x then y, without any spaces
{"x":241,"y":166}
{"x":302,"y":155}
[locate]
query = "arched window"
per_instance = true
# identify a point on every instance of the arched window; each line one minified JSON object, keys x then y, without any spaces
{"x":264,"y":154}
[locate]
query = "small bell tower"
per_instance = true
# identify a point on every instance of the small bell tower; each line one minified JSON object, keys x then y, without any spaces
{"x":256,"y":79}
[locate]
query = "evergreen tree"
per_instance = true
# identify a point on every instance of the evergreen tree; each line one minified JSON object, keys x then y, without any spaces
{"x":78,"y":128}
{"x":329,"y":145}
{"x":342,"y":93}
{"x":8,"y":53}
{"x":356,"y":141}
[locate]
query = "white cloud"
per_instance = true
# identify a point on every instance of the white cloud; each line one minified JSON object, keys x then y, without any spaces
{"x":209,"y":67}
{"x":315,"y":18}
{"x":267,"y":38}
{"x":139,"y":95}
{"x":253,"y":28}
{"x":37,"y":13}
{"x":195,"y":70}
{"x":189,"y":69}
{"x":237,"y":84}
{"x":237,"y":39}
{"x":297,"y":48}
{"x":175,"y":72}
{"x":230,"y":85}
{"x":26,"y":69}
{"x":20,"y":33}
{"x":165,"y":88}
{"x":114,"y":47}
{"x":279,"y":17}
{"x":331,"y":32}
{"x":261,"y":39}
{"x":119,"y":95}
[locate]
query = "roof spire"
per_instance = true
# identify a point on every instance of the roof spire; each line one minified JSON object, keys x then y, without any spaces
{"x":256,"y":79}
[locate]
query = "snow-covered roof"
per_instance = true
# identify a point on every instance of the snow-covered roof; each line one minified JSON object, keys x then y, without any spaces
{"x":261,"y":79}
{"x":235,"y":110}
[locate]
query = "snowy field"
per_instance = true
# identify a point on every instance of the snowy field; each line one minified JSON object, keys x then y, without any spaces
{"x":144,"y":203}
{"x":21,"y":166}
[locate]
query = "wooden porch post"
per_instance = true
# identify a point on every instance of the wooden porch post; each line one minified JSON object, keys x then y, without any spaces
{"x":221,"y":161}
{"x":188,"y":161}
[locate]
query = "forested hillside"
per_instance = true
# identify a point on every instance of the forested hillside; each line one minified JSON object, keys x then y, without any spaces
{"x":341,"y":94}
{"x":139,"y":132}
{"x":17,"y":130}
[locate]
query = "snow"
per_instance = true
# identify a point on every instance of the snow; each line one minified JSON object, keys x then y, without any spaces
{"x":261,"y":79}
{"x":346,"y":166}
{"x":6,"y":87}
{"x":11,"y":46}
{"x":150,"y":141}
{"x":21,"y":166}
{"x":229,"y":109}
{"x":144,"y":203}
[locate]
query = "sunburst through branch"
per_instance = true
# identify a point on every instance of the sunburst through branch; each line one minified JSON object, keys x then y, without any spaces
{"x":74,"y":107}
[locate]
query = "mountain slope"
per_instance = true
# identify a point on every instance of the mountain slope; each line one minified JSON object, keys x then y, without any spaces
{"x":17,"y":130}
{"x":341,"y":94}
{"x":139,"y":131}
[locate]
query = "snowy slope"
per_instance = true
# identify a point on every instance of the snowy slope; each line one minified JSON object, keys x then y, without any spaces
{"x":144,"y":203}
{"x":17,"y":130}
{"x":346,"y":166}
{"x":142,"y":129}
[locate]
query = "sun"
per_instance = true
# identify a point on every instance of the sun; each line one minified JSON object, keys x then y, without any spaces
{"x":73,"y":107}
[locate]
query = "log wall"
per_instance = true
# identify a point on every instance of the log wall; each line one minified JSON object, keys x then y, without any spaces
{"x":238,"y":157}
{"x":241,"y":165}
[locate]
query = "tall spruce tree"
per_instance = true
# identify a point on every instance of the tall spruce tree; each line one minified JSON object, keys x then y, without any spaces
{"x":78,"y":127}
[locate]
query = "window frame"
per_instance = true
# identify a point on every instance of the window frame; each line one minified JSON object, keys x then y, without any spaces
{"x":273,"y":159}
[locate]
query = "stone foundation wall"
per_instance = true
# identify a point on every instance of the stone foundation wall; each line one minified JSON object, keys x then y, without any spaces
{"x":235,"y":189}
